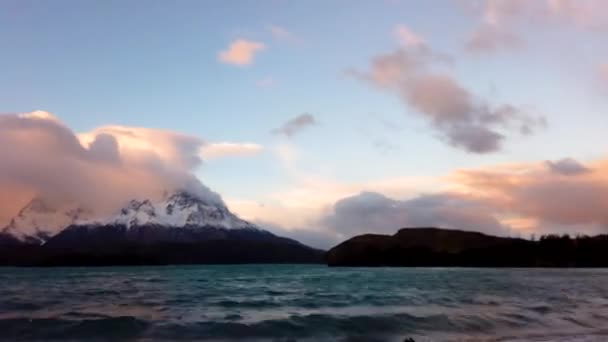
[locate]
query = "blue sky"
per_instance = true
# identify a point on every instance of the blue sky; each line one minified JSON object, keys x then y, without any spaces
{"x":155,"y":64}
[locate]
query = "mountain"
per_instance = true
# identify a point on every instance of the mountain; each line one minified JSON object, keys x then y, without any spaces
{"x":38,"y":221}
{"x":180,"y":209}
{"x":446,"y":247}
{"x":178,"y":218}
{"x":180,"y":228}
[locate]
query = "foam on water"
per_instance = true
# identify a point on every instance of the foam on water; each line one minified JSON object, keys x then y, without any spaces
{"x":304,"y":303}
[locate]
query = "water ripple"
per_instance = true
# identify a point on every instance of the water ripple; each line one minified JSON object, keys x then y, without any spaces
{"x":303,"y":303}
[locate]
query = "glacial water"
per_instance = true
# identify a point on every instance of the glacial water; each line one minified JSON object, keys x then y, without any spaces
{"x":303,"y":303}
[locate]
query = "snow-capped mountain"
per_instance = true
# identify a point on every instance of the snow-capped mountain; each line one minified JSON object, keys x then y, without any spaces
{"x":177,"y":218}
{"x":39,"y":220}
{"x":181,"y":228}
{"x":180,"y":209}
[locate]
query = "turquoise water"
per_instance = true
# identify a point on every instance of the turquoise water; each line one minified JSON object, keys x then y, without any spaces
{"x":302,"y":302}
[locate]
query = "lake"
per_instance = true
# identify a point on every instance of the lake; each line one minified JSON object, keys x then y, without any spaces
{"x":303,"y":302}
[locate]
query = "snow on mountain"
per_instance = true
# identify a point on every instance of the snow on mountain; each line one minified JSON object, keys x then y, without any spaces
{"x":179,"y":209}
{"x":39,"y":220}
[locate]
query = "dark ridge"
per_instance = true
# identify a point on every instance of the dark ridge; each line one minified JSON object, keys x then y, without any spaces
{"x":155,"y":245}
{"x":445,"y":247}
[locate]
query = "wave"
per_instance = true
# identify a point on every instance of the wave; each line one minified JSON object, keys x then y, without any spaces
{"x":315,"y":327}
{"x":125,"y":327}
{"x":269,"y":303}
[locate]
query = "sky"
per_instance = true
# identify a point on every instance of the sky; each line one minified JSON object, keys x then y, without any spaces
{"x":318,"y":120}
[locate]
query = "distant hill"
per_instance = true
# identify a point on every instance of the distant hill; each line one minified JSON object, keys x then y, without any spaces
{"x":447,"y":247}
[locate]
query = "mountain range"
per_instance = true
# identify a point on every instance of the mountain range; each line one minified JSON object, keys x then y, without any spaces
{"x":180,"y":228}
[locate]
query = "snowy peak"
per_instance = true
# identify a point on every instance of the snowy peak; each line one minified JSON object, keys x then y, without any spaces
{"x":39,"y":220}
{"x":179,"y":209}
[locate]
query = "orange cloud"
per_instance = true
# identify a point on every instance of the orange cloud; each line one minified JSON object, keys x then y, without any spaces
{"x":543,"y":192}
{"x":518,"y":199}
{"x":241,"y":52}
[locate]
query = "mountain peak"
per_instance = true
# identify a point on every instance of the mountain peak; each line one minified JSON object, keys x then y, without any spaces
{"x":178,"y":209}
{"x":39,"y":220}
{"x":36,"y":205}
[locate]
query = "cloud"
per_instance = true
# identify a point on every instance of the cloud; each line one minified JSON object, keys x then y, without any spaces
{"x":565,"y":192}
{"x":265,"y":82}
{"x":241,"y":52}
{"x":101,"y":169}
{"x":317,"y":238}
{"x":567,"y":167}
{"x":146,"y":145}
{"x":603,"y":72}
{"x":370,"y":212}
{"x":495,"y":32}
{"x":498,"y":12}
{"x":384,"y":146}
{"x":408,"y":37}
{"x":587,"y":14}
{"x":364,"y":213}
{"x":227,"y":149}
{"x":519,"y":199}
{"x":489,"y":38}
{"x":282,"y":34}
{"x":502,"y":19}
{"x":461,"y":119}
{"x":302,"y":205}
{"x":296,"y":125}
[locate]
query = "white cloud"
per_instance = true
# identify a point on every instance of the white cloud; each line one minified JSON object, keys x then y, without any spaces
{"x":227,"y":149}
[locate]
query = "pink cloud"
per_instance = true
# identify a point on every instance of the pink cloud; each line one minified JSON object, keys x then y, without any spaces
{"x":502,"y":21}
{"x":490,"y":38}
{"x":415,"y":75}
{"x":241,"y":52}
{"x":603,"y":72}
{"x":564,"y":192}
{"x":407,"y":37}
{"x":100,"y":169}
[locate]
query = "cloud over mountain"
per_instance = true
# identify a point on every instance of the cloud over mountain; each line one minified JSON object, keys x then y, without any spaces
{"x":563,"y":196}
{"x":102,"y":168}
{"x":370,"y":212}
